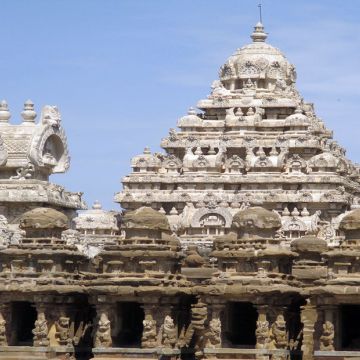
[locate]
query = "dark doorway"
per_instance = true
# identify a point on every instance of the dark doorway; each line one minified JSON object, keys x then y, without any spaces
{"x":84,"y":316}
{"x":295,"y":327}
{"x":24,"y":316}
{"x":350,"y":330}
{"x":130,"y":324}
{"x":241,"y":320}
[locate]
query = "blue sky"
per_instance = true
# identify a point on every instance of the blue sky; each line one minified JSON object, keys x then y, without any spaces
{"x":123,"y":71}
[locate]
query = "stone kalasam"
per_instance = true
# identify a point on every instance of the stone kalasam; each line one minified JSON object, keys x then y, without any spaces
{"x":146,"y":218}
{"x":256,"y":217}
{"x":310,"y":244}
{"x":351,"y":221}
{"x":44,"y":218}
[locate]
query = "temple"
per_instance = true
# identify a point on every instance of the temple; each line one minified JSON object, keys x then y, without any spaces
{"x":240,"y":241}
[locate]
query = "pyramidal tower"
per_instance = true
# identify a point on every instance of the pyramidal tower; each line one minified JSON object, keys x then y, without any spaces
{"x":253,"y":142}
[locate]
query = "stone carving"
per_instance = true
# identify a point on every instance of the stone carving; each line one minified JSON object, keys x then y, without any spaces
{"x":295,"y":165}
{"x":103,"y":332}
{"x":226,"y":71}
{"x":4,"y":314}
{"x":149,"y":336}
{"x":168,"y":333}
{"x":187,"y":232}
{"x":63,"y":331}
{"x":214,"y":334}
{"x":51,"y":116}
{"x":327,"y":337}
{"x":5,"y":233}
{"x":3,"y":151}
{"x":172,"y":163}
{"x":234,"y":164}
{"x":41,"y":331}
{"x":3,"y":339}
{"x":71,"y":237}
{"x":24,"y":173}
{"x":262,"y":334}
{"x":278,"y":335}
{"x":218,"y":89}
{"x":193,"y":258}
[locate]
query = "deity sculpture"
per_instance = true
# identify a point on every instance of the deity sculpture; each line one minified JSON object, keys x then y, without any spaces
{"x":103,"y":333}
{"x":327,"y":337}
{"x":214,"y":334}
{"x":63,"y":331}
{"x":51,"y":116}
{"x":40,"y":331}
{"x":278,"y":335}
{"x":148,"y":339}
{"x":24,"y":172}
{"x":262,"y":334}
{"x":3,"y":340}
{"x":168,"y":333}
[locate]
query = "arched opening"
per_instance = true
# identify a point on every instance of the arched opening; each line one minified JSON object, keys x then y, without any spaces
{"x":212,"y":224}
{"x":53,"y":150}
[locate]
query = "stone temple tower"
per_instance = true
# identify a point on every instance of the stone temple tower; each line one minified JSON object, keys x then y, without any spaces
{"x":254,"y":141}
{"x":240,"y":241}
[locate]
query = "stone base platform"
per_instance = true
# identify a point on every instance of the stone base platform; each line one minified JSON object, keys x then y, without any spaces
{"x":135,"y":353}
{"x":244,"y":354}
{"x":337,"y":355}
{"x":34,"y":353}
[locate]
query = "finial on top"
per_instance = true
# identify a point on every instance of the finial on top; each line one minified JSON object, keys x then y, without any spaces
{"x":28,"y":114}
{"x":260,"y":13}
{"x":191,"y":111}
{"x":259,"y":35}
{"x":97,"y":205}
{"x":4,"y":112}
{"x":147,"y":150}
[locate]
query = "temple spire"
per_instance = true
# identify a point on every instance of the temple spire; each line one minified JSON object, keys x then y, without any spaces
{"x":260,"y":13}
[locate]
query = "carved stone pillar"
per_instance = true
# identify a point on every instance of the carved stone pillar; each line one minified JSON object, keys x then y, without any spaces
{"x":278,"y":330}
{"x":149,"y":335}
{"x":103,"y":327}
{"x":262,"y":328}
{"x":308,"y":318}
{"x":62,"y":327}
{"x":215,"y":326}
{"x":41,"y":331}
{"x":159,"y":315}
{"x":4,"y":324}
{"x":328,"y":329}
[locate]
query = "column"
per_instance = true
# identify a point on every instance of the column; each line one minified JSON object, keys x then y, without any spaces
{"x":328,"y":329}
{"x":215,"y":325}
{"x":262,"y":330}
{"x":103,"y":327}
{"x":62,"y":327}
{"x":308,"y":318}
{"x":279,"y":334}
{"x":41,"y":331}
{"x":149,"y":335}
{"x":4,"y":324}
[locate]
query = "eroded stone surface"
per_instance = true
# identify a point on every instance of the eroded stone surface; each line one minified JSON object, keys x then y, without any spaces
{"x":241,"y":240}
